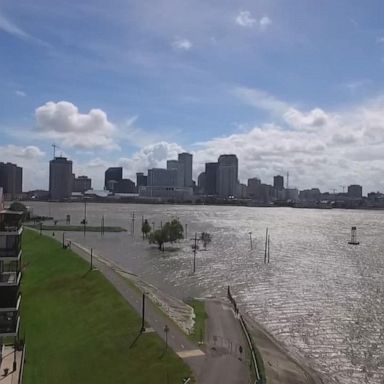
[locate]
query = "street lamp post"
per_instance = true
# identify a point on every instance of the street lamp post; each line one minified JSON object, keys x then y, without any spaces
{"x":166,"y":330}
{"x":250,"y":239}
{"x":85,"y":216}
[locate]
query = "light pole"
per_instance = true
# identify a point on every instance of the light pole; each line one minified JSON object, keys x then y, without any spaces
{"x":250,"y":239}
{"x":166,"y":330}
{"x":85,"y":216}
{"x":63,"y":239}
{"x":143,"y":314}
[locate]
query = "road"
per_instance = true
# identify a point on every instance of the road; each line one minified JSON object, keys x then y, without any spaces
{"x":226,"y":346}
{"x":221,"y":361}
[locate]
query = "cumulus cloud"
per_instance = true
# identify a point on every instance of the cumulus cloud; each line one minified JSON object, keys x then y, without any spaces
{"x":182,"y":44}
{"x":265,"y":22}
{"x":315,"y":118}
{"x":13,"y":151}
{"x":62,"y":121}
{"x":246,"y":20}
{"x":151,"y":156}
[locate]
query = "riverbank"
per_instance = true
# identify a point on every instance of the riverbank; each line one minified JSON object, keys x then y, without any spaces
{"x":75,"y":228}
{"x":78,"y":329}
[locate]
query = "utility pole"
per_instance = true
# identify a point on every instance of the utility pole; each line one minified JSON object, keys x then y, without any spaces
{"x":63,"y":240}
{"x":91,"y":259}
{"x":102,"y":226}
{"x":250,"y":239}
{"x":269,"y":241}
{"x":266,"y":246}
{"x":133,"y":223}
{"x":194,"y":246}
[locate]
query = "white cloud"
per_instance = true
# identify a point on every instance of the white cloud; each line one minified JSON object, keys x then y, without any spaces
{"x":13,"y":152}
{"x":182,"y":44}
{"x":245,"y":19}
{"x":315,"y":118}
{"x":63,"y":122}
{"x":265,"y":22}
{"x":20,"y":93}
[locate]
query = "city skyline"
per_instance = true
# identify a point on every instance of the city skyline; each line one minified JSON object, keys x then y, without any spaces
{"x":292,"y":88}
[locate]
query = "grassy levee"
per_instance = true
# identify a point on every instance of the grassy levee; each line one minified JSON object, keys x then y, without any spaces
{"x":79,"y":329}
{"x":75,"y":228}
{"x":198,"y":331}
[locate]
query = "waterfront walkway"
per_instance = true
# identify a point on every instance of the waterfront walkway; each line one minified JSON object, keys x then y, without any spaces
{"x":221,"y":361}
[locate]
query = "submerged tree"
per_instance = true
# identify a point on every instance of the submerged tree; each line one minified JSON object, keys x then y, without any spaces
{"x":145,"y":228}
{"x":206,"y":238}
{"x":170,"y":232}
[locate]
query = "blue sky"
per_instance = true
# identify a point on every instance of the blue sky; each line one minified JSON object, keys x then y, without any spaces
{"x":287,"y":86}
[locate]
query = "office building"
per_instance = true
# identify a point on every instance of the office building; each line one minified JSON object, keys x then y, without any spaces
{"x":172,"y":165}
{"x":211,"y":178}
{"x":125,"y":186}
{"x":355,"y":191}
{"x":278,"y":182}
{"x":184,"y":177}
{"x":11,"y":180}
{"x":162,"y":177}
{"x":60,"y":178}
{"x":201,"y":182}
{"x":253,"y":187}
{"x":81,"y":184}
{"x":227,"y":176}
{"x":141,"y":180}
{"x":112,"y":176}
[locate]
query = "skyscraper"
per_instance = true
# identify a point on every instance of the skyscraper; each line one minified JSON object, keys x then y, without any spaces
{"x":11,"y":179}
{"x":278,"y":183}
{"x":227,"y":176}
{"x":60,"y":178}
{"x":112,"y":176}
{"x":172,"y":165}
{"x":185,"y":170}
{"x":210,"y":178}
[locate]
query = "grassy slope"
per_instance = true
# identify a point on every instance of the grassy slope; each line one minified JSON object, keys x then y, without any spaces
{"x":198,"y":331}
{"x":79,"y":329}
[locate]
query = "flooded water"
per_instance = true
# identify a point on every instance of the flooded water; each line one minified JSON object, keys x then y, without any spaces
{"x":319,"y":296}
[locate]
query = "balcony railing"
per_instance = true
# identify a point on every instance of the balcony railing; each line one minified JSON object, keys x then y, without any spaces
{"x":9,"y":298}
{"x":13,"y":252}
{"x":9,"y":324}
{"x":10,"y":278}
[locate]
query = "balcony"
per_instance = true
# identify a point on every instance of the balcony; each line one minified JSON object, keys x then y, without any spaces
{"x":10,"y":244}
{"x":10,"y":222}
{"x":9,"y":298}
{"x":10,"y":278}
{"x":9,"y":323}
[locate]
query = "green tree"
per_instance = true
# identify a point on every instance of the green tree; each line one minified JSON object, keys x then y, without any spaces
{"x":170,"y":232}
{"x":16,"y":206}
{"x":145,"y":228}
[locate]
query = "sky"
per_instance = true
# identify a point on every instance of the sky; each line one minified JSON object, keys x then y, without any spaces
{"x":288,"y":86}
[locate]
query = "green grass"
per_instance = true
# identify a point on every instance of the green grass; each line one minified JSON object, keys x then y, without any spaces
{"x":198,"y":331}
{"x":78,"y":328}
{"x":75,"y":228}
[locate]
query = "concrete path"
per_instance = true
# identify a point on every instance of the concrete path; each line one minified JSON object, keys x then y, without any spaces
{"x":222,"y":362}
{"x":226,"y":346}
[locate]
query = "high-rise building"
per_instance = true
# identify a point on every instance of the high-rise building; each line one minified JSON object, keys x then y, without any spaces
{"x":201,"y":182}
{"x":184,"y":177}
{"x":172,"y":165}
{"x":112,"y":176}
{"x":210,"y":178}
{"x":125,"y":186}
{"x":227,"y":176}
{"x":162,"y":177}
{"x":141,"y":180}
{"x":278,"y":182}
{"x":11,"y":179}
{"x":355,"y":191}
{"x":82,"y":184}
{"x":60,"y":178}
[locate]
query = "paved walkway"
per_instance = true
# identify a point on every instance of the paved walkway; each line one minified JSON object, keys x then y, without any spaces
{"x":222,"y":362}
